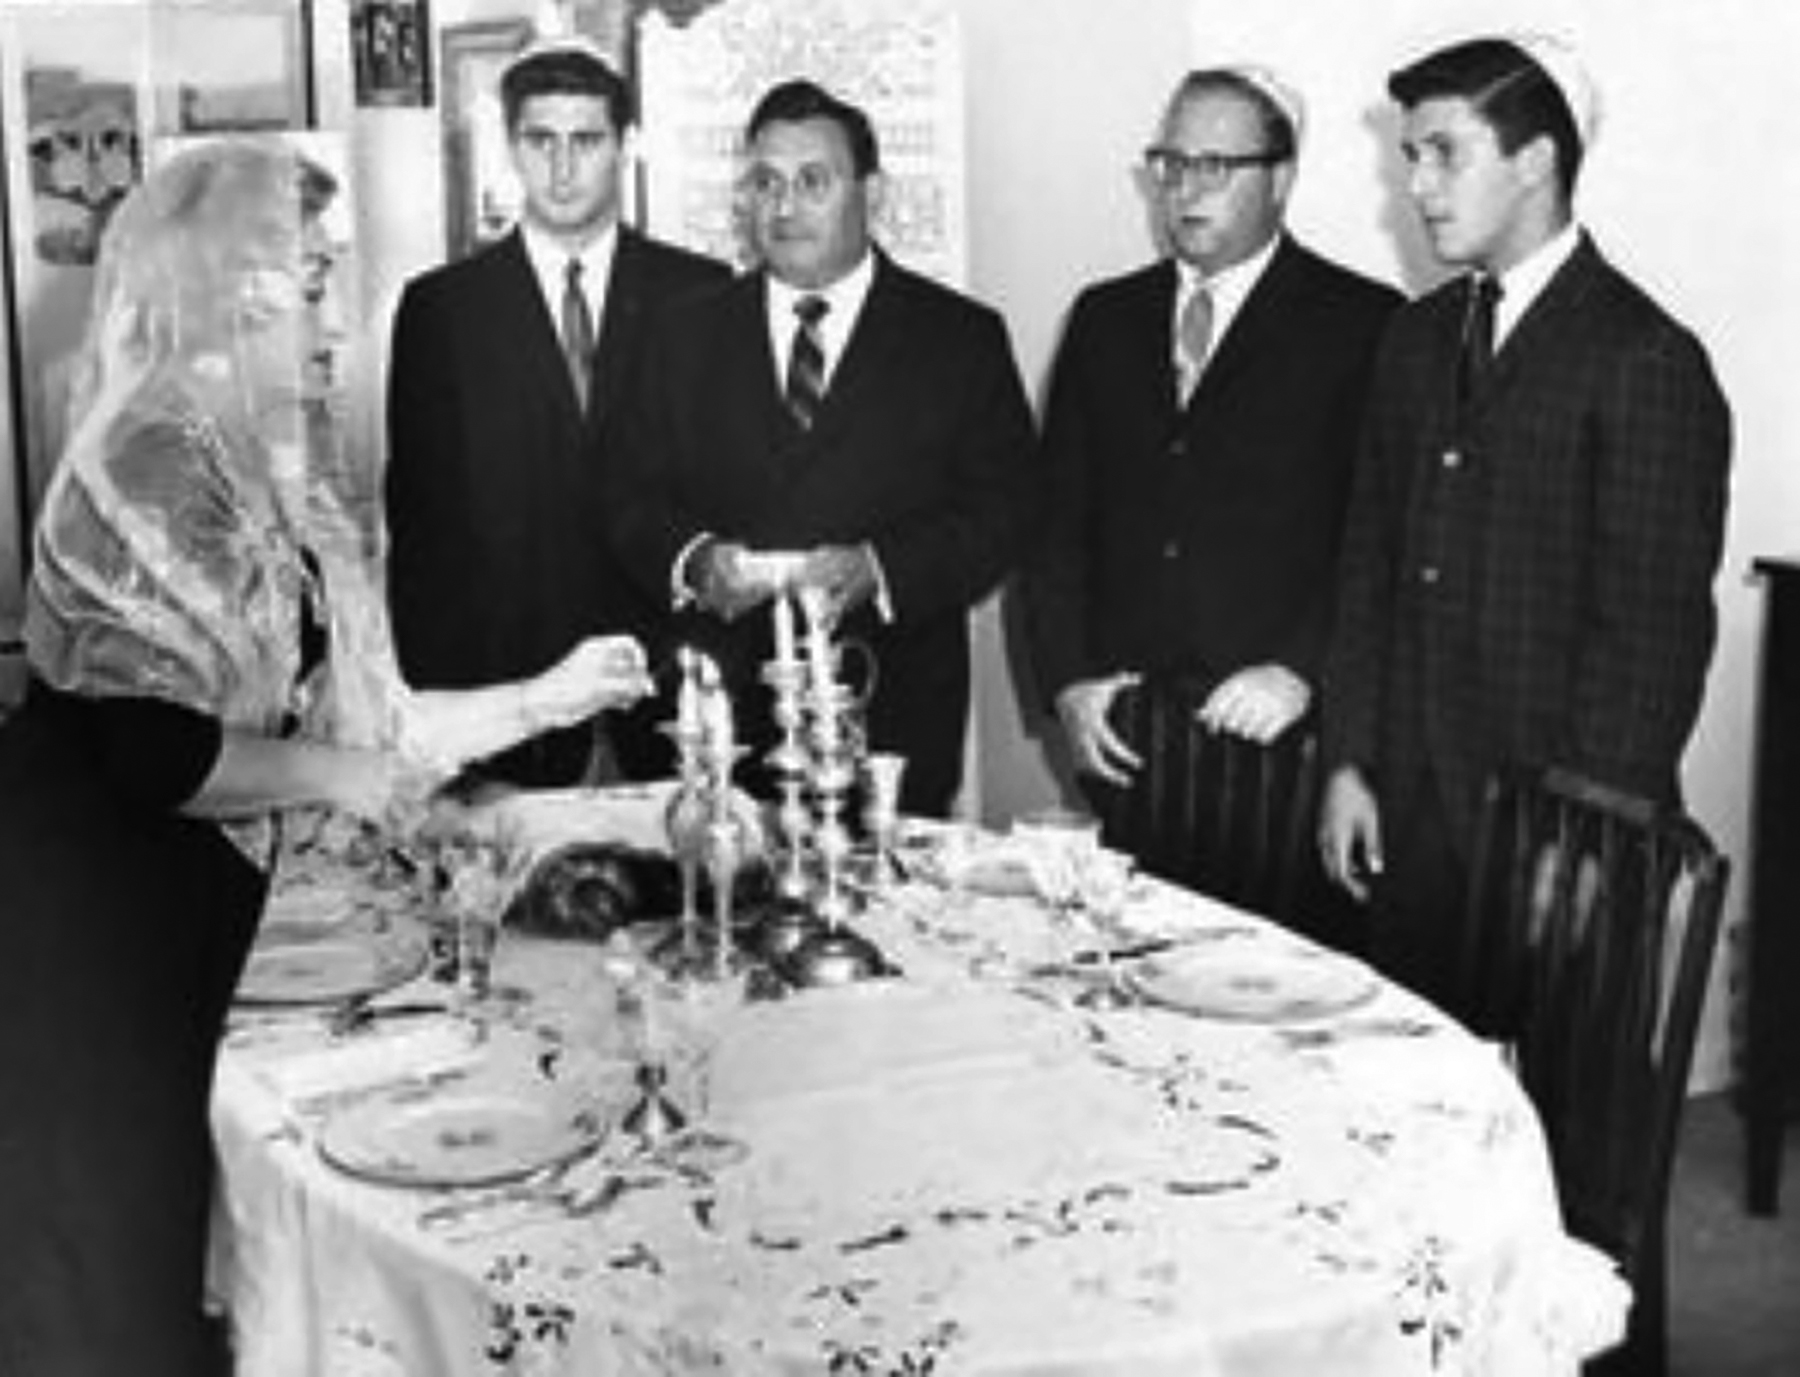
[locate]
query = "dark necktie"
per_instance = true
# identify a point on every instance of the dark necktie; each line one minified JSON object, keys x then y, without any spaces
{"x":1194,"y":338}
{"x":806,"y":362}
{"x":1477,"y":355}
{"x":577,"y":331}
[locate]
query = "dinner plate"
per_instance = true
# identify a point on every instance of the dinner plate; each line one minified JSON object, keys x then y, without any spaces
{"x":459,"y":1138}
{"x":1235,"y":982}
{"x":298,"y":967}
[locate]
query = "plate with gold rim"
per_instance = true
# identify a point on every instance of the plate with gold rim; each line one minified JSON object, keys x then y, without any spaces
{"x":298,"y":966}
{"x":1254,"y":985}
{"x":472,"y":1137}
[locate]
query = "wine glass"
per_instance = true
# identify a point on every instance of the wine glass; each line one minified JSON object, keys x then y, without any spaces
{"x":882,"y":773}
{"x":482,"y":869}
{"x":1102,"y":886}
{"x":1056,"y":843}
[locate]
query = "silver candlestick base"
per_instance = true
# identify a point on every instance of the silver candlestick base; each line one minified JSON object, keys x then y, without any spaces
{"x":834,"y":956}
{"x":655,"y":1117}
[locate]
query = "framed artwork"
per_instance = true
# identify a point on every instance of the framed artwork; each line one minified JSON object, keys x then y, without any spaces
{"x":390,"y":47}
{"x":217,"y":65}
{"x":481,"y":194}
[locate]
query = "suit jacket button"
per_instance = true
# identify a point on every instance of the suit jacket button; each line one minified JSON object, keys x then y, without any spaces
{"x":1429,"y":574}
{"x":1177,"y":448}
{"x":1452,"y":459}
{"x":1171,"y":549}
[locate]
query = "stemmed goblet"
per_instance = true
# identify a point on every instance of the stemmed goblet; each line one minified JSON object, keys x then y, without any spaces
{"x":1102,"y":885}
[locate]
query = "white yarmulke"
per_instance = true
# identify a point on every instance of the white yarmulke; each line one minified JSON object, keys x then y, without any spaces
{"x":1287,"y":99}
{"x":554,"y":31}
{"x":1558,"y":61}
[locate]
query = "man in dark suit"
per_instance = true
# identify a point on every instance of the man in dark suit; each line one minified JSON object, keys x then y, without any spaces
{"x":1538,"y":511}
{"x":837,"y":409}
{"x":1199,"y":467}
{"x":507,"y":368}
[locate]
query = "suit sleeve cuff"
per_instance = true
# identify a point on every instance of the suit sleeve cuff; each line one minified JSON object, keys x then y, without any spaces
{"x":681,"y":587}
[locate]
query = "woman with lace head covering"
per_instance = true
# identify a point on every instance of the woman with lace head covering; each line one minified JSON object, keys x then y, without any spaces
{"x":208,"y":649}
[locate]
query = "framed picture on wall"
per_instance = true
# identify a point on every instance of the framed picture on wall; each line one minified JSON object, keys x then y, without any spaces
{"x":481,"y":193}
{"x":390,"y":48}
{"x":218,"y":65}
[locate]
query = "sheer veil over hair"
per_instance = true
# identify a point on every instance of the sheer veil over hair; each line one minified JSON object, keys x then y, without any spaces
{"x":206,"y":516}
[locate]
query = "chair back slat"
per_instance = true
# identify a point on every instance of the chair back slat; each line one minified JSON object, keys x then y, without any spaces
{"x":1592,"y":923}
{"x":1216,"y":813}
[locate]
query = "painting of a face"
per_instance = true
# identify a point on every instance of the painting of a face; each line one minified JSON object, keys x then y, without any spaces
{"x":84,"y":158}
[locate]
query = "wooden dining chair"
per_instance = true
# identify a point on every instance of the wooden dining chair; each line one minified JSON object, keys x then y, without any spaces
{"x":1216,"y":813}
{"x":1592,"y":920}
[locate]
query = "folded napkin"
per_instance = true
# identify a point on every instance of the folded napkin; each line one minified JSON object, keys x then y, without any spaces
{"x":419,"y":1051}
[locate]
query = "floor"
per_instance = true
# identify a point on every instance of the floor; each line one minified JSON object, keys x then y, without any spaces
{"x":1734,"y":1281}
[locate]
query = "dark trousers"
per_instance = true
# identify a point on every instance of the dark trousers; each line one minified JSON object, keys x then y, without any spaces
{"x":1418,"y":904}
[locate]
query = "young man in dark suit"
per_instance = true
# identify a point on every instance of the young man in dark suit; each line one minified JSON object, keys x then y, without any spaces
{"x":1198,"y":437}
{"x":1538,"y":514}
{"x":841,"y":410}
{"x":507,"y":369}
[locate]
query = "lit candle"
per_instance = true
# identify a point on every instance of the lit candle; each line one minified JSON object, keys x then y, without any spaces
{"x":784,"y":631}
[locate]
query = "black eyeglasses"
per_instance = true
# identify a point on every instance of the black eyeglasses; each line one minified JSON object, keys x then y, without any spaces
{"x":1173,"y":168}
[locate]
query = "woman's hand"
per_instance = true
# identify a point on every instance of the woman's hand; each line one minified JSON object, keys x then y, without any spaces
{"x":392,"y":791}
{"x":601,"y":672}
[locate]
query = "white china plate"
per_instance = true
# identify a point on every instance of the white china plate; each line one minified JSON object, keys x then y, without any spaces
{"x":297,"y":967}
{"x":1254,"y":986}
{"x":458,"y":1138}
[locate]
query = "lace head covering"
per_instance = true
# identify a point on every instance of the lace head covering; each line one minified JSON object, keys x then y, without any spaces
{"x":204,"y":503}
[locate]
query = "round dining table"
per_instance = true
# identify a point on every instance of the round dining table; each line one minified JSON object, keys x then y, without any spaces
{"x":1219,"y":1151}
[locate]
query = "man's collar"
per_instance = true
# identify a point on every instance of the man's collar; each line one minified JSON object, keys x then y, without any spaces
{"x":549,"y":255}
{"x":1526,"y":278}
{"x":1237,"y":279}
{"x":845,"y":295}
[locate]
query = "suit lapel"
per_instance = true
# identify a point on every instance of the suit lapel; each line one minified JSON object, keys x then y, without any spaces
{"x":748,"y":390}
{"x":1535,"y":338}
{"x":520,"y":313}
{"x":1148,"y":338}
{"x":618,"y":324}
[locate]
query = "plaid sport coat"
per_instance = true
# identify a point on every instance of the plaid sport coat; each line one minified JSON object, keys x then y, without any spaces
{"x":1531,"y":582}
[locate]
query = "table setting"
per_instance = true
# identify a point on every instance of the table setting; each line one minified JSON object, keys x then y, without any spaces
{"x":1014,"y":1108}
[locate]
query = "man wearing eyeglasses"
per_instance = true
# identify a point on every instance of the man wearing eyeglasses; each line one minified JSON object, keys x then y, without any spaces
{"x":506,"y":368}
{"x":1538,"y":515}
{"x":834,"y":424}
{"x":1198,"y":435}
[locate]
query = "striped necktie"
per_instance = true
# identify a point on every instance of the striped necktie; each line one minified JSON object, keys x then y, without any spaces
{"x":577,"y":331}
{"x":805,"y":384}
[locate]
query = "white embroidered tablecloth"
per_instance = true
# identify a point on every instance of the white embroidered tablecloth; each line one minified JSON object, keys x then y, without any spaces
{"x":960,"y":1171}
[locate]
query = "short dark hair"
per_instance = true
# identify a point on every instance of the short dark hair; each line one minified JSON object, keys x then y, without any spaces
{"x":565,"y":72}
{"x":1279,"y":137}
{"x":1506,"y":88}
{"x":794,"y":101}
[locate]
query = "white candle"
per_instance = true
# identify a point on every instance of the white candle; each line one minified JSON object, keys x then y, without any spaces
{"x":687,"y":701}
{"x":818,"y":644}
{"x":784,"y":631}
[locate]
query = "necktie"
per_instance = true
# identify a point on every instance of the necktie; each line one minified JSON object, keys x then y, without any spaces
{"x":577,"y":331}
{"x":806,"y":362}
{"x":1194,"y":338}
{"x":1477,"y":355}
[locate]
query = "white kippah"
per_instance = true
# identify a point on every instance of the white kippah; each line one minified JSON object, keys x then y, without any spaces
{"x":1286,"y":98}
{"x":554,"y":31}
{"x":1557,"y":59}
